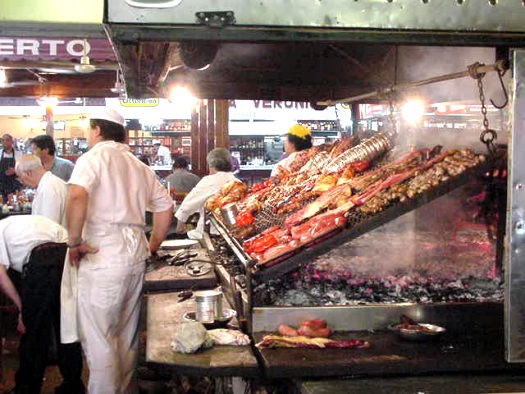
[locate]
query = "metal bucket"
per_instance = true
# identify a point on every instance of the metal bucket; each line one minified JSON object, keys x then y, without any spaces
{"x":209,"y":305}
{"x":229,"y":212}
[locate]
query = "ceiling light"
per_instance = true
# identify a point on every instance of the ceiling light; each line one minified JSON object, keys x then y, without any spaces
{"x":3,"y":77}
{"x":84,"y":121}
{"x":119,"y":86}
{"x":48,"y":101}
{"x":27,"y":122}
{"x":412,"y":111}
{"x":181,"y":96}
{"x":85,"y":67}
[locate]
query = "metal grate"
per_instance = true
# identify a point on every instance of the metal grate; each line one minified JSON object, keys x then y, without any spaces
{"x":360,"y":223}
{"x":266,"y":218}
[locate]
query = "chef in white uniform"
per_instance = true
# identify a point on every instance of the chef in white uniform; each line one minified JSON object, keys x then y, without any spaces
{"x":220,"y":164}
{"x":164,"y":154}
{"x":35,"y":247}
{"x":109,"y":193}
{"x":50,"y":196}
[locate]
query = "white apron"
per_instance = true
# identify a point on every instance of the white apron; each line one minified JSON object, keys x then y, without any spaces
{"x":117,"y":244}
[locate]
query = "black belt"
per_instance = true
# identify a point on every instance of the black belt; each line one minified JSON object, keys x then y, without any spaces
{"x":49,"y":254}
{"x":48,"y":245}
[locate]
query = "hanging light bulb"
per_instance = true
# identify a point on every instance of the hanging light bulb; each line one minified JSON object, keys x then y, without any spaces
{"x":48,"y":101}
{"x":3,"y":77}
{"x":413,"y":111}
{"x":84,"y":121}
{"x":181,"y":96}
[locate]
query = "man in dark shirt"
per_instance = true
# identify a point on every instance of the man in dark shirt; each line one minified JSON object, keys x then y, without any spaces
{"x":43,"y":146}
{"x":181,"y":180}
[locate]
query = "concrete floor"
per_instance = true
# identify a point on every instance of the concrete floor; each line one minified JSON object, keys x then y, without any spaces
{"x":9,"y":362}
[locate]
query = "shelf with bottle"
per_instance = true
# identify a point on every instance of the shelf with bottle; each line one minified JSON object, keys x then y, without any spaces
{"x":175,"y":125}
{"x":320,"y":125}
{"x":74,"y":146}
{"x":252,"y":142}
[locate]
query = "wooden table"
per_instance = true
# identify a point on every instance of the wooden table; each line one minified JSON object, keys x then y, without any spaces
{"x":164,"y":277}
{"x":164,"y":313}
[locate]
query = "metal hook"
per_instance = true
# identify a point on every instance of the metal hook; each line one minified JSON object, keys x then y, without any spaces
{"x":500,"y":76}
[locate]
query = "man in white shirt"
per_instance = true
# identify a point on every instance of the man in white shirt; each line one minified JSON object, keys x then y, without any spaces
{"x":50,"y":197}
{"x":220,"y":163}
{"x":164,"y":154}
{"x":35,"y":246}
{"x":109,"y":193}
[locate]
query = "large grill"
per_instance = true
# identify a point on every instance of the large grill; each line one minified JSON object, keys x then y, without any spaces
{"x":330,"y":270}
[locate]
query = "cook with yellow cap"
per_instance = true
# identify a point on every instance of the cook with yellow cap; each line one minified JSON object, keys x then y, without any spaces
{"x":298,"y":138}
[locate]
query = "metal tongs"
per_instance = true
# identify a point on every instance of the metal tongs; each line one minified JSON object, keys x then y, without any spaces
{"x":154,"y":261}
{"x":182,"y":258}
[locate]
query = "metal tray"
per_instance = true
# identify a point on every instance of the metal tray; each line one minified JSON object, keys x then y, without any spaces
{"x":227,"y":315}
{"x":431,"y":332}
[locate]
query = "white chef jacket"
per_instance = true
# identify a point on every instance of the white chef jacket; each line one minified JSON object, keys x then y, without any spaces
{"x":105,"y":172}
{"x":165,"y":154}
{"x":194,"y":201}
{"x":20,"y":234}
{"x":50,"y":198}
{"x":112,"y":226}
{"x":284,"y":163}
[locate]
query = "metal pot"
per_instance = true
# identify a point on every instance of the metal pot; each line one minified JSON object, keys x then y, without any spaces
{"x":209,"y":305}
{"x":229,"y":212}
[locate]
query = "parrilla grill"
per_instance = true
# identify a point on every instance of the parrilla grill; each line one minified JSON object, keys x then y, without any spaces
{"x":349,"y":208}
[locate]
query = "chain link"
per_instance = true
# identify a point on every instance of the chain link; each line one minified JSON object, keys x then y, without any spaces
{"x":488,"y":136}
{"x":392,"y":109}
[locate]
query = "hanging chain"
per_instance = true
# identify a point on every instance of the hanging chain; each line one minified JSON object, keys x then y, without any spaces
{"x":392,"y":110}
{"x":488,"y":136}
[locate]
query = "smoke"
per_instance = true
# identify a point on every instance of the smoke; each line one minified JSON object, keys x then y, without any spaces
{"x":439,"y":240}
{"x":417,"y":63}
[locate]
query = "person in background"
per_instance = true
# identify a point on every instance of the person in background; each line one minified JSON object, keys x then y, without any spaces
{"x":236,"y":167}
{"x":220,"y":163}
{"x":145,"y":159}
{"x":35,"y":246}
{"x":8,"y":158}
{"x":298,"y":138}
{"x":108,"y":195}
{"x":50,"y":197}
{"x":163,"y":154}
{"x":43,"y":146}
{"x":181,"y":180}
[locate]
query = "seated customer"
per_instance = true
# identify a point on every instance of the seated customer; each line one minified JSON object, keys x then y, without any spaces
{"x":181,"y":180}
{"x":220,"y":163}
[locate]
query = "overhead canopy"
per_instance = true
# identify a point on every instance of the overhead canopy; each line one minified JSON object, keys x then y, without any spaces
{"x":41,"y":42}
{"x":322,"y":50}
{"x":48,"y":66}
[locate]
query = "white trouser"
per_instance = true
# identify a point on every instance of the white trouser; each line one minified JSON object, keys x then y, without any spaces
{"x":109,"y":300}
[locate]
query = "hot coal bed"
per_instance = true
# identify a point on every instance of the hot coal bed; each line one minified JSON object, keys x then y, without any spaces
{"x":441,"y":253}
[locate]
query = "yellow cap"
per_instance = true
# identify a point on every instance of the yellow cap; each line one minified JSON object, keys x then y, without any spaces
{"x":299,"y":131}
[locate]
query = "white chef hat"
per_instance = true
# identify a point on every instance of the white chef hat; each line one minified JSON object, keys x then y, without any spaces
{"x":108,"y":114}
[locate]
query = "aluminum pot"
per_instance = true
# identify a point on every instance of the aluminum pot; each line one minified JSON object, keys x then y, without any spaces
{"x":229,"y":212}
{"x":209,"y":305}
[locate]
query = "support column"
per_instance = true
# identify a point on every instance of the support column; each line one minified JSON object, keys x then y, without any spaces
{"x":49,"y":119}
{"x":515,"y":243}
{"x":209,"y":130}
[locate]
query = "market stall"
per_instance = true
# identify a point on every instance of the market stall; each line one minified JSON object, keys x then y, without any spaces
{"x":296,"y":268}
